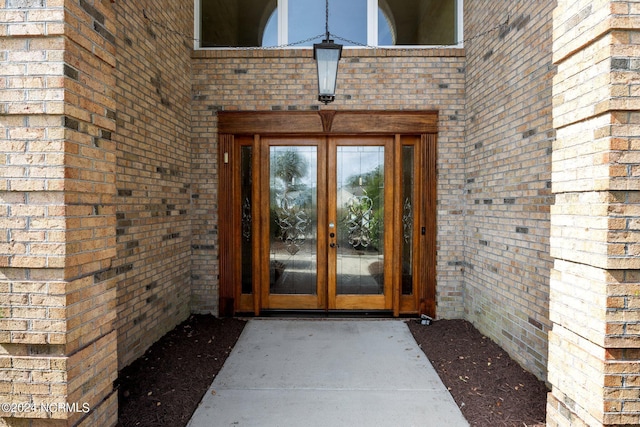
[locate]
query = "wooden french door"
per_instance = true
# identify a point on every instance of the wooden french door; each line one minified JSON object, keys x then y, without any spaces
{"x":330,"y":222}
{"x":328,"y":239}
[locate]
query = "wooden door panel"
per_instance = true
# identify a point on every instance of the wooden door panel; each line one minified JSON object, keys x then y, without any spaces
{"x":293,"y":248}
{"x":361,"y":210}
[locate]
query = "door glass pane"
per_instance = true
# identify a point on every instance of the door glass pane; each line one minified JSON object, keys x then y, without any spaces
{"x":246,"y":184}
{"x":293,"y":220}
{"x":360,"y":214}
{"x":348,"y":19}
{"x":408,"y":206}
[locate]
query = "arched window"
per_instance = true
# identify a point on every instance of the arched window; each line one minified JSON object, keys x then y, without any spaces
{"x":291,"y":23}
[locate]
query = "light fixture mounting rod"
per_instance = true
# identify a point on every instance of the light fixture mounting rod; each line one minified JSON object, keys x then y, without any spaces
{"x":326,"y":19}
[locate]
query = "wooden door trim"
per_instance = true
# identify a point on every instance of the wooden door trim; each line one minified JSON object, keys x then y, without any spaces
{"x":331,"y":208}
{"x":429,"y":257}
{"x":327,"y":122}
{"x":257,"y":218}
{"x":228,"y":272}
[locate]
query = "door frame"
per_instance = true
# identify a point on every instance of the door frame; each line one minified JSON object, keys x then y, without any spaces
{"x":251,"y":126}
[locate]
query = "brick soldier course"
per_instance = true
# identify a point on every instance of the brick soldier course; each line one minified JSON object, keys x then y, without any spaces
{"x":109,"y":180}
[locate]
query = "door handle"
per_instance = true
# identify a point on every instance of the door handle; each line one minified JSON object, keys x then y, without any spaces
{"x":333,"y":245}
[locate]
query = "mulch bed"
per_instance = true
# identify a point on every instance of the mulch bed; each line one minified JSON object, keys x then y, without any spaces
{"x":164,"y":387}
{"x":490,"y":388}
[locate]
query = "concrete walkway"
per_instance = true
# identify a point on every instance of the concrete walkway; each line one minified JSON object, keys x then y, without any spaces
{"x":327,"y":373}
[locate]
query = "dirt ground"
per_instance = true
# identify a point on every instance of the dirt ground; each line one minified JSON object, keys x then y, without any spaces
{"x":164,"y":387}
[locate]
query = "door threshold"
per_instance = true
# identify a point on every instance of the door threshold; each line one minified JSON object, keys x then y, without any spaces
{"x":329,"y":314}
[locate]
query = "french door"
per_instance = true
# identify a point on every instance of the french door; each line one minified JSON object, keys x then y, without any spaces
{"x":328,"y":236}
{"x":327,"y":222}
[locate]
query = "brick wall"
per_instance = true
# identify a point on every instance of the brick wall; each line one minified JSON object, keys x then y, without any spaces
{"x":367,"y":79}
{"x":153,"y":175}
{"x":57,"y":218}
{"x":594,"y":347}
{"x":508,"y":172}
{"x":108,"y":180}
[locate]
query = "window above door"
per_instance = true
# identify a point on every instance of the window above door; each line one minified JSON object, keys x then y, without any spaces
{"x":301,"y":23}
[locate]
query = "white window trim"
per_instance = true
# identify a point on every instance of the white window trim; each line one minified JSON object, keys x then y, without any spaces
{"x":196,"y":27}
{"x":283,"y":22}
{"x":459,"y":23}
{"x":372,"y":22}
{"x":372,"y":27}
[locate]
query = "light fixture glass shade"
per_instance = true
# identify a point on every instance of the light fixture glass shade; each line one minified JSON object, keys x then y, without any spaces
{"x":327,"y":54}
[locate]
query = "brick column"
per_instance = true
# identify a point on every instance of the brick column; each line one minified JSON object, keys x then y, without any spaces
{"x":57,"y":218}
{"x":594,"y":347}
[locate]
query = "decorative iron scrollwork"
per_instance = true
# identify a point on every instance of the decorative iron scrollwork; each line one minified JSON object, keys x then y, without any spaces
{"x":359,"y":220}
{"x":407,"y":220}
{"x":246,"y":219}
{"x":293,"y":222}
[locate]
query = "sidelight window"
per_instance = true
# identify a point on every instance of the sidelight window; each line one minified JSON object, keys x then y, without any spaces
{"x":300,"y":23}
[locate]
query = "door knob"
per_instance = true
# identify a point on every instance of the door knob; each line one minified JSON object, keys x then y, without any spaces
{"x":333,"y":245}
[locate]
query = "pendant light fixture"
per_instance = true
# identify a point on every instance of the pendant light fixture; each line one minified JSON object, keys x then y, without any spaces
{"x":327,"y":54}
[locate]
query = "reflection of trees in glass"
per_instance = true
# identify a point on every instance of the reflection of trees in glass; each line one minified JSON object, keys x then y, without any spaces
{"x":290,"y":198}
{"x":288,"y":166}
{"x":372,"y":183}
{"x":368,"y":191}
